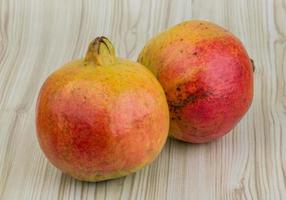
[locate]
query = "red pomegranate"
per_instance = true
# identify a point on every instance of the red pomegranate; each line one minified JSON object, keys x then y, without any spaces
{"x":207,"y":76}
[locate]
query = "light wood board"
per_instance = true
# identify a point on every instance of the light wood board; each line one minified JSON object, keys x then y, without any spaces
{"x":37,"y":36}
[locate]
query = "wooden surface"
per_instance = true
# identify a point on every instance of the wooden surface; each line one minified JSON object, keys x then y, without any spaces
{"x":37,"y":36}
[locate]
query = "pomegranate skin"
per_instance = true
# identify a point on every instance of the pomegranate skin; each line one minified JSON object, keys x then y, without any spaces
{"x":207,"y":76}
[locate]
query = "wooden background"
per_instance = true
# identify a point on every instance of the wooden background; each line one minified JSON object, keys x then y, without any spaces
{"x":37,"y":36}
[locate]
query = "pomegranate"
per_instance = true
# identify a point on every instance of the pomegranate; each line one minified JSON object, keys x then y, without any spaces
{"x":207,"y":76}
{"x":101,"y":117}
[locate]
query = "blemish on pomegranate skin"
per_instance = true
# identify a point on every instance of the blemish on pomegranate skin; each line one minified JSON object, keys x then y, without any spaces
{"x":189,"y":99}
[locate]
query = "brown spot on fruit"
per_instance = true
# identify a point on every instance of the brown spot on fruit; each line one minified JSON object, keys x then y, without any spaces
{"x":184,"y":96}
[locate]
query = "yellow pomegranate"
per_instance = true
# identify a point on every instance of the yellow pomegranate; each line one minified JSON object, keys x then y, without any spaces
{"x":101,"y":117}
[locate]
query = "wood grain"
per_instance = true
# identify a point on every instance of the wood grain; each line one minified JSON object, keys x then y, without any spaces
{"x":37,"y":36}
